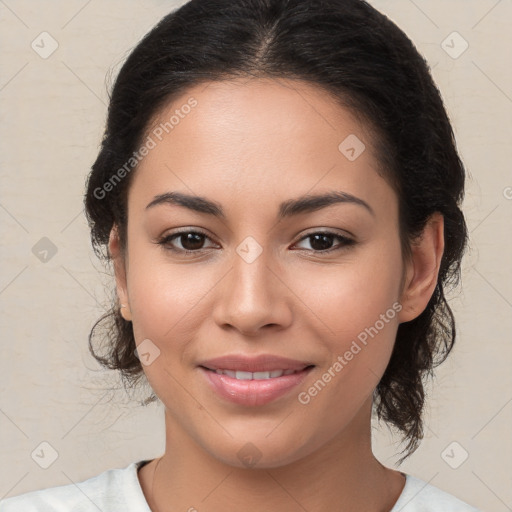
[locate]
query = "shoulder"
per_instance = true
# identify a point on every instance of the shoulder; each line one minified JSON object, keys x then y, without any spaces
{"x":420,"y":496}
{"x":114,"y":490}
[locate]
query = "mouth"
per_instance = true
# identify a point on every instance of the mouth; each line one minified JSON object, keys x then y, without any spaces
{"x":258,"y":388}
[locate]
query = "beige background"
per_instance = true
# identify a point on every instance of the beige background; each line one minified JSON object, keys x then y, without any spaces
{"x":53,"y":112}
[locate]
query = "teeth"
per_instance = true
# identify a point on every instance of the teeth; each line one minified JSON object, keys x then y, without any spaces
{"x":266,"y":375}
{"x":241,"y":375}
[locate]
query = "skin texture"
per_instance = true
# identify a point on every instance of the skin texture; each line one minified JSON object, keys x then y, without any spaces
{"x":249,"y":145}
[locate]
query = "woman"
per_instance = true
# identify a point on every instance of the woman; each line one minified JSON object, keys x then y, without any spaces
{"x":279,"y":190}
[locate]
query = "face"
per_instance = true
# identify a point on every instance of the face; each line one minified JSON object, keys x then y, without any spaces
{"x":318,"y":283}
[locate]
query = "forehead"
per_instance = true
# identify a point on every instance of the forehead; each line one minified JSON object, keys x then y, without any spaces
{"x":250,"y":111}
{"x":258,"y":137}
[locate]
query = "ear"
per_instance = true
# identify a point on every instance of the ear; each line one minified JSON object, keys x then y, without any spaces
{"x":119,"y":261}
{"x":423,"y":269}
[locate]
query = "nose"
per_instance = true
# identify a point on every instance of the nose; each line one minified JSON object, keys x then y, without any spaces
{"x":253,"y":296}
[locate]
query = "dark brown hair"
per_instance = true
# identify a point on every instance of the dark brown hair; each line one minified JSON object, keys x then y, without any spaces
{"x":364,"y":61}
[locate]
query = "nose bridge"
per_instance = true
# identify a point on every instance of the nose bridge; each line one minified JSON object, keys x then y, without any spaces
{"x":251,"y":296}
{"x":251,"y":271}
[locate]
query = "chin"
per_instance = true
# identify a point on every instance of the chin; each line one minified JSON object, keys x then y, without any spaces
{"x":258,"y":453}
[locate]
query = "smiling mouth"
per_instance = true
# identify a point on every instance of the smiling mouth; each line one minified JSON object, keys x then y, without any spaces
{"x":250,"y":389}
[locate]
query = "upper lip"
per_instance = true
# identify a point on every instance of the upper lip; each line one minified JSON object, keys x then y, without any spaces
{"x":260,"y":363}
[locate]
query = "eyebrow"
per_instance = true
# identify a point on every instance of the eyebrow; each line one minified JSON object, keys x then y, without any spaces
{"x":303,"y":204}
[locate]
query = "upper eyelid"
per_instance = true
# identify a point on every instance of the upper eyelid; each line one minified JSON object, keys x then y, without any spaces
{"x":327,"y":231}
{"x":188,"y":230}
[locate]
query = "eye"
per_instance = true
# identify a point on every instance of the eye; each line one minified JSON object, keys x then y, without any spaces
{"x":321,"y":241}
{"x":190,"y":241}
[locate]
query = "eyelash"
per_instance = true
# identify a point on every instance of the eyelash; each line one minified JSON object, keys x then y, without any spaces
{"x":345,"y":241}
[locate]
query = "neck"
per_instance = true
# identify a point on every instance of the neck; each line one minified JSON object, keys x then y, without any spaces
{"x":343,"y":471}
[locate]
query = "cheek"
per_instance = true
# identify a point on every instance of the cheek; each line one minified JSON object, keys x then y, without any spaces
{"x":357,"y":303}
{"x":351,"y":296}
{"x":162,"y":297}
{"x":166,"y":298}
{"x":359,"y":306}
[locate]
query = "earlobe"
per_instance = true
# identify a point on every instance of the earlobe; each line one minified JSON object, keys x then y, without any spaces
{"x":124,"y":309}
{"x":118,"y":260}
{"x":423,"y":269}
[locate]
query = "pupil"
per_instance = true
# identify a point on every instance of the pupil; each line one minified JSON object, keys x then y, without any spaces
{"x":190,"y":238}
{"x":317,"y":242}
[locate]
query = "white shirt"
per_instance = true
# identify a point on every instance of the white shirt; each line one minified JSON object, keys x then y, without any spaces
{"x":119,"y":490}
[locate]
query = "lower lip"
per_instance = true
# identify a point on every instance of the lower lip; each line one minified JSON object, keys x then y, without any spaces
{"x":253,"y":392}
